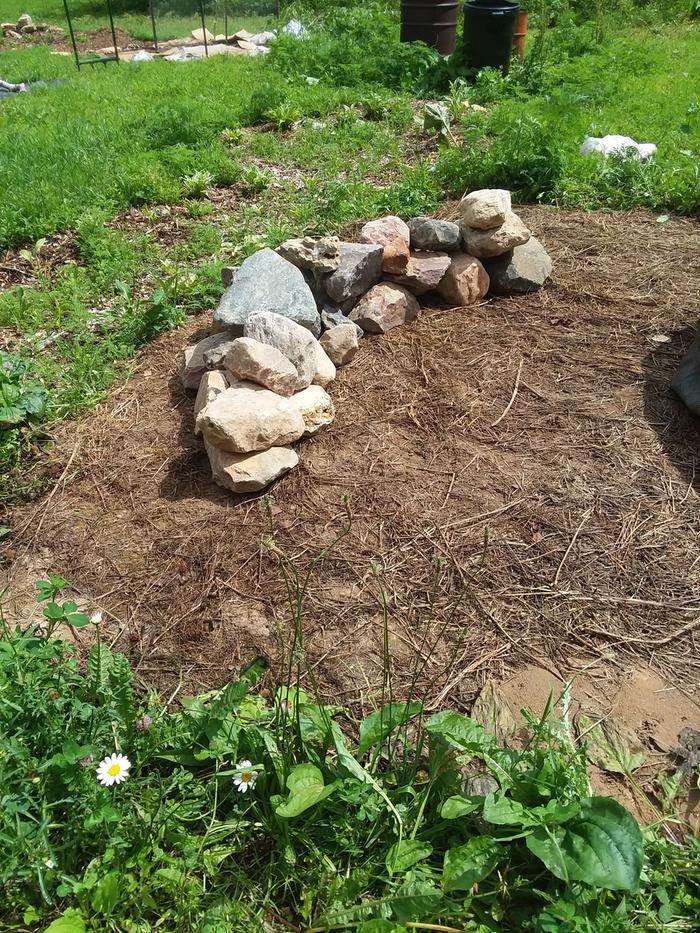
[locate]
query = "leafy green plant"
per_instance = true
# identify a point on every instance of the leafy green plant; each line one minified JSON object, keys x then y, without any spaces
{"x":21,"y":398}
{"x":194,"y":185}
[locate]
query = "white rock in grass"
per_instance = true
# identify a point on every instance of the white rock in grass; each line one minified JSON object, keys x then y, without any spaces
{"x":485,"y":244}
{"x":250,"y":472}
{"x":341,"y":343}
{"x":195,"y":364}
{"x":212,"y":384}
{"x":316,"y":408}
{"x":485,"y":209}
{"x":325,"y":368}
{"x":252,"y":361}
{"x":291,"y":339}
{"x":246,"y":418}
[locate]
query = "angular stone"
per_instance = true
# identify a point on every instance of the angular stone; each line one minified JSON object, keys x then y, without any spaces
{"x":291,"y":339}
{"x":424,"y":272}
{"x":332,"y":317}
{"x":214,"y":357}
{"x":384,"y":307}
{"x":485,"y":209}
{"x":430,"y":234}
{"x":360,"y":268}
{"x":686,"y":379}
{"x":465,"y":282}
{"x":247,"y":417}
{"x":249,"y":472}
{"x":24,"y":21}
{"x":341,"y":342}
{"x":485,"y":244}
{"x":267,"y":282}
{"x":394,"y":235}
{"x":523,"y":269}
{"x":321,"y":255}
{"x":325,"y":368}
{"x":253,"y":361}
{"x":316,"y":408}
{"x":194,"y":366}
{"x":211,"y":385}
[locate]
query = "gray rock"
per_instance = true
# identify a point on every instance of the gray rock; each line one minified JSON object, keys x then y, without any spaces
{"x":249,"y":472}
{"x":252,"y":361}
{"x":321,"y":255}
{"x":360,"y":268}
{"x":341,"y":343}
{"x":291,"y":339}
{"x":228,"y":274}
{"x":430,"y":234}
{"x":686,"y":381}
{"x":424,"y":272}
{"x":523,"y":269}
{"x":215,"y":356}
{"x":267,"y":282}
{"x":332,"y":317}
{"x":24,"y":20}
{"x":194,"y":366}
{"x":485,"y":244}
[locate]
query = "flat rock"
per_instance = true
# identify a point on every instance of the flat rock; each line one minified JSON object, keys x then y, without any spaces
{"x":394,"y":235}
{"x":267,"y":282}
{"x":316,"y":408}
{"x":320,"y":255}
{"x":211,"y":385}
{"x":423,"y":273}
{"x":194,"y":365}
{"x":485,"y":209}
{"x":332,"y":317}
{"x":523,"y":269}
{"x":246,"y":418}
{"x":341,"y":342}
{"x":291,"y":339}
{"x":252,"y":361}
{"x":325,"y":368}
{"x":686,"y":380}
{"x":485,"y":244}
{"x":465,"y":282}
{"x":250,"y":472}
{"x":430,"y":234}
{"x":360,"y":268}
{"x":384,"y":307}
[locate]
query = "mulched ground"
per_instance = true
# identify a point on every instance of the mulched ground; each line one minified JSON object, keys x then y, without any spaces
{"x":512,"y":483}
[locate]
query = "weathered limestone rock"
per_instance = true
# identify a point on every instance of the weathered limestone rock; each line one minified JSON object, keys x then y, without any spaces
{"x":485,"y":209}
{"x":267,"y":282}
{"x":246,"y":418}
{"x":250,"y":472}
{"x":325,"y":368}
{"x":394,"y":235}
{"x":424,"y":272}
{"x":465,"y":282}
{"x":360,"y":268}
{"x":341,"y":342}
{"x":253,"y":361}
{"x":485,"y":244}
{"x":211,"y":385}
{"x":291,"y":339}
{"x":523,"y":269}
{"x":320,"y":255}
{"x":384,"y":307}
{"x":686,"y":380}
{"x":430,"y":234}
{"x":194,"y":365}
{"x":315,"y":406}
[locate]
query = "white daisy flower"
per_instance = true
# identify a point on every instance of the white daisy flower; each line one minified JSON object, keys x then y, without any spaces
{"x":245,"y":777}
{"x":113,"y":770}
{"x":96,"y":617}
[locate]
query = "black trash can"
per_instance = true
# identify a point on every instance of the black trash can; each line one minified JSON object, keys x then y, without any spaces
{"x":489,"y":28}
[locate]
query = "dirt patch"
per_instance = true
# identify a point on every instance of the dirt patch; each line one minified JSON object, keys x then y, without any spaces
{"x":28,"y":265}
{"x":86,"y":40}
{"x":563,"y":537}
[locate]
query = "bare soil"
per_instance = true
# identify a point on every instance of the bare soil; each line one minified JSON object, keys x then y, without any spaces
{"x":513,"y":483}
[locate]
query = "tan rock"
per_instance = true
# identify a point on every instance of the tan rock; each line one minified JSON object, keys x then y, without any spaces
{"x":341,"y":343}
{"x":394,"y":235}
{"x":194,"y":363}
{"x":294,"y":341}
{"x":315,"y":407}
{"x":465,"y":282}
{"x":384,"y":307}
{"x":252,"y":361}
{"x":249,"y":472}
{"x":212,"y":384}
{"x":246,"y":418}
{"x":325,"y":368}
{"x":485,"y":244}
{"x":321,"y":255}
{"x":485,"y":209}
{"x":423,"y":273}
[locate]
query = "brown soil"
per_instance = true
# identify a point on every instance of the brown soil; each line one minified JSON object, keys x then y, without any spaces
{"x":520,"y":484}
{"x":55,"y":253}
{"x":87,"y":41}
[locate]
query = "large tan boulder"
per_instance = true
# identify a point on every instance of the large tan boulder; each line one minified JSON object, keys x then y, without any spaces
{"x":485,"y":244}
{"x":465,"y":282}
{"x":384,"y":307}
{"x":485,"y":209}
{"x":249,"y":472}
{"x":212,"y":384}
{"x":341,"y":343}
{"x":252,"y":361}
{"x":315,"y":407}
{"x":246,"y":418}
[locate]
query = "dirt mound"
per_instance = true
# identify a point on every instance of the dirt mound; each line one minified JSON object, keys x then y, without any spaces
{"x":518,"y":481}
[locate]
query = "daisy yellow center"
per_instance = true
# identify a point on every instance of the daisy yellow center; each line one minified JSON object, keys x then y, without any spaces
{"x":114,"y":770}
{"x":246,"y":776}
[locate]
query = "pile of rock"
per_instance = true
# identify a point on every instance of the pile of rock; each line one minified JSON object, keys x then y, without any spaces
{"x":289,"y":317}
{"x":25,"y":26}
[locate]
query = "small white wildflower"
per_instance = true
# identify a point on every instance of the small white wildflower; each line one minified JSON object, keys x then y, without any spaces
{"x":50,"y":863}
{"x":245,"y":777}
{"x":96,"y":617}
{"x":113,"y":770}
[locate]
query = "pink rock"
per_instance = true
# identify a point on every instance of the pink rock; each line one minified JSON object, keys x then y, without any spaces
{"x":394,"y":235}
{"x":465,"y":282}
{"x":424,"y":272}
{"x":384,"y":307}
